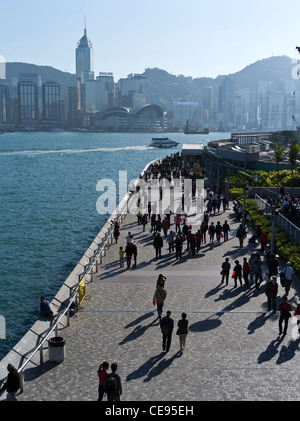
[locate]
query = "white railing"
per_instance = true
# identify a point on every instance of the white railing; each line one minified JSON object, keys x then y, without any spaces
{"x":288,"y":227}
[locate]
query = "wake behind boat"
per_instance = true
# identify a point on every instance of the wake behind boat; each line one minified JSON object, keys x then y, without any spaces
{"x":163,"y":142}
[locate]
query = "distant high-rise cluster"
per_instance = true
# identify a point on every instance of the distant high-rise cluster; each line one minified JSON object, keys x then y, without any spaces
{"x":97,"y":102}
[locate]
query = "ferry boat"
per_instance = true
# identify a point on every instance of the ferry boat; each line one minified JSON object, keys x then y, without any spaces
{"x":163,"y":142}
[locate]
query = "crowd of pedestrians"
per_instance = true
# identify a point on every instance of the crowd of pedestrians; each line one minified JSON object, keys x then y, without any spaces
{"x":177,"y":235}
{"x":287,"y":204}
{"x":173,"y":236}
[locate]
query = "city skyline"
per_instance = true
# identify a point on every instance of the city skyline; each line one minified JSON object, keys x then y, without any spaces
{"x":191,"y":38}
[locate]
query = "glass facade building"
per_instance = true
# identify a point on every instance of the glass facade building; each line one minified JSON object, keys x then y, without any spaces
{"x":28,"y":103}
{"x":51,"y":103}
{"x":4,"y":104}
{"x":84,"y":56}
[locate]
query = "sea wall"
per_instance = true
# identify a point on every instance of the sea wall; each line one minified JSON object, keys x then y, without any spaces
{"x":35,"y":335}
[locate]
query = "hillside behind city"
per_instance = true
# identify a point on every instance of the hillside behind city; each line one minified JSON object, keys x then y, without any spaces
{"x":171,"y":87}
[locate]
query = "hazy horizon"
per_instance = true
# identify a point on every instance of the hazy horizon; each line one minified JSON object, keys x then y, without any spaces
{"x":197,"y":77}
{"x":194,"y":38}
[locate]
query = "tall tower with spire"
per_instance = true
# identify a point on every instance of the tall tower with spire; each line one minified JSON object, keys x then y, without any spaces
{"x":84,"y":70}
{"x":84,"y":55}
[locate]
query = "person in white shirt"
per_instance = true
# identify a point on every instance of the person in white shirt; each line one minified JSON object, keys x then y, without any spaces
{"x":129,"y":238}
{"x":289,"y":275}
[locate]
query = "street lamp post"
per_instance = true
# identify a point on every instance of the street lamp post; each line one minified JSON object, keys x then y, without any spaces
{"x":273,"y":214}
{"x":244,"y":202}
{"x":256,"y":178}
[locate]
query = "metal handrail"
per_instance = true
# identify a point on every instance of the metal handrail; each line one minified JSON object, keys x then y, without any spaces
{"x":288,"y":222}
{"x":268,"y":205}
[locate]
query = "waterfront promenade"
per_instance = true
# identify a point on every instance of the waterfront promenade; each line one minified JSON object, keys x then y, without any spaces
{"x":232,"y":351}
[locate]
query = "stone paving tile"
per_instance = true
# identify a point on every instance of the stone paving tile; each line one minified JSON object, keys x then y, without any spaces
{"x":232,"y":350}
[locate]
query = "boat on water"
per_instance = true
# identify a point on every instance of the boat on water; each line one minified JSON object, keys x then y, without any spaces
{"x":163,"y":142}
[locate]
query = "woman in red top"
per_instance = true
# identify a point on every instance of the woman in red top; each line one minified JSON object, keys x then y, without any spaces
{"x":263,"y":241}
{"x":102,"y":373}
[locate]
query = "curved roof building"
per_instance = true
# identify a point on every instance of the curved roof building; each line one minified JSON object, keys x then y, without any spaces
{"x":145,"y":117}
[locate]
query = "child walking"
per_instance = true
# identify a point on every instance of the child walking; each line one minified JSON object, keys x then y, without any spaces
{"x":121,"y":254}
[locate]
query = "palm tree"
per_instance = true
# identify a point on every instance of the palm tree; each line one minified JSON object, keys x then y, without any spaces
{"x":278,"y":152}
{"x":294,"y":156}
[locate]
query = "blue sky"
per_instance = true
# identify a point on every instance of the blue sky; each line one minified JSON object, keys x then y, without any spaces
{"x":191,"y":37}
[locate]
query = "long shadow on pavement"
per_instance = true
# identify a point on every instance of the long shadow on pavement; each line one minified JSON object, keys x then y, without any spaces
{"x":145,"y":368}
{"x":163,"y":365}
{"x":289,"y":352}
{"x":270,"y":352}
{"x":137,"y":332}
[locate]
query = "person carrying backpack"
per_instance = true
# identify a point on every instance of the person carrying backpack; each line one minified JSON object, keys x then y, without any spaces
{"x":113,"y":385}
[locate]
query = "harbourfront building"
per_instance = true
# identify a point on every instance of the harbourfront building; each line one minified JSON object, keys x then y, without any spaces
{"x":146,"y":118}
{"x":28,"y":103}
{"x":99,"y":93}
{"x":51,"y":104}
{"x":71,"y":114}
{"x":131,"y":91}
{"x":4,"y":104}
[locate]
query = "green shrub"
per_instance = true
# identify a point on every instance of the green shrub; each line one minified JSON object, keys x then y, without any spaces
{"x":267,"y":179}
{"x":287,"y":250}
{"x":235,"y":194}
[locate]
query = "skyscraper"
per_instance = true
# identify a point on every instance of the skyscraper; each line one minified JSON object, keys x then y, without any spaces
{"x":28,"y":103}
{"x":84,"y":56}
{"x":51,"y":103}
{"x":4,"y":103}
{"x":227,"y":101}
{"x":84,"y":71}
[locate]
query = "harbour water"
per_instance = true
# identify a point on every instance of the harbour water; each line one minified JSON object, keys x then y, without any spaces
{"x":48,"y":212}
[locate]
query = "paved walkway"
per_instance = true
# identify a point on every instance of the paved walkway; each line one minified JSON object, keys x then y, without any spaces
{"x":232,"y":350}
